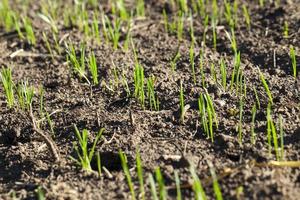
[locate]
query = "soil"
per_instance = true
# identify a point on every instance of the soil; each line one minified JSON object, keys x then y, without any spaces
{"x":26,"y":163}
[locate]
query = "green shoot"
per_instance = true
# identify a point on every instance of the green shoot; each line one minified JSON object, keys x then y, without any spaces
{"x":236,"y":70}
{"x":175,"y":59}
{"x":207,"y":115}
{"x":265,"y":85}
{"x":95,"y":28}
{"x":281,"y":137}
{"x":271,"y":131}
{"x":213,"y":72}
{"x":7,"y":82}
{"x":78,"y":64}
{"x":139,"y":92}
{"x":92,"y":64}
{"x":192,"y":62}
{"x":205,"y":24}
{"x":50,"y":21}
{"x":293,"y":58}
{"x":256,"y":97}
{"x":45,"y":38}
{"x":30,"y":36}
{"x":85,"y":155}
{"x":216,"y":186}
{"x":140,"y":8}
{"x":214,"y":29}
{"x":181,"y":103}
{"x":40,"y":193}
{"x":201,"y":67}
{"x":180,"y":24}
{"x":140,"y":174}
{"x":161,"y":184}
{"x":177,"y":181}
{"x":152,"y":187}
{"x":183,"y":6}
{"x":247,"y":17}
{"x":228,"y":14}
{"x":223,"y":73}
{"x":153,"y":99}
{"x":197,"y":186}
{"x":99,"y":167}
{"x":25,"y":95}
{"x":114,"y":31}
{"x":127,"y":174}
{"x":240,"y":125}
{"x":261,"y":3}
{"x":253,"y":136}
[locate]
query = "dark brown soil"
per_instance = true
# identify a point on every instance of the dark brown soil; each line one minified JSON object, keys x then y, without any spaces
{"x":26,"y":162}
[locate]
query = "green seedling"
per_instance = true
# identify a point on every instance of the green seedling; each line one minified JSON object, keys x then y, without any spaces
{"x":50,"y":123}
{"x":256,"y":97}
{"x":207,"y":115}
{"x":271,"y":133}
{"x":253,"y":135}
{"x":240,"y":125}
{"x":286,"y":29}
{"x":140,"y":8}
{"x":177,"y":182}
{"x":261,"y":3}
{"x":113,"y":31}
{"x":166,"y":20}
{"x":228,"y":13}
{"x":281,"y":138}
{"x":216,"y":186}
{"x":180,"y":25}
{"x":201,"y":67}
{"x":215,"y":9}
{"x":30,"y":36}
{"x":161,"y":184}
{"x":140,"y":174}
{"x":232,"y":40}
{"x":95,"y":28}
{"x":152,"y":187}
{"x":139,"y":92}
{"x":127,"y":174}
{"x":119,"y":9}
{"x":235,"y":75}
{"x":45,"y":38}
{"x":192,"y":62}
{"x":78,"y":64}
{"x":197,"y":186}
{"x":84,"y":153}
{"x":205,"y":24}
{"x":152,"y":97}
{"x":213,"y":72}
{"x":247,"y":17}
{"x":265,"y":85}
{"x":92,"y":64}
{"x":40,"y":193}
{"x":192,"y":34}
{"x":214,"y":29}
{"x":181,"y":103}
{"x":125,"y":84}
{"x":201,"y":4}
{"x":25,"y":95}
{"x":49,"y":21}
{"x":99,"y":166}
{"x":128,"y":36}
{"x":175,"y":59}
{"x":294,"y":63}
{"x":8,"y":85}
{"x":183,"y":6}
{"x":223,"y":73}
